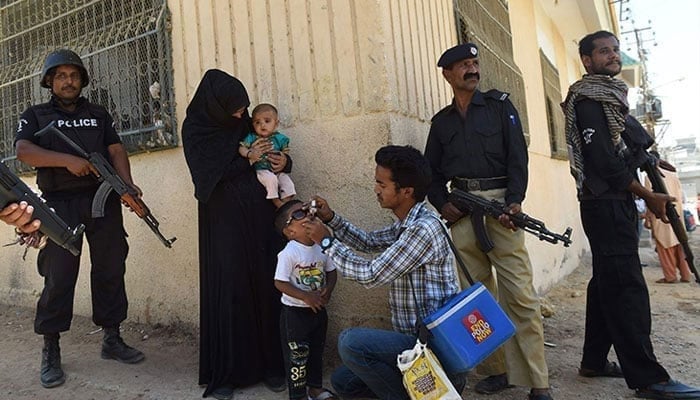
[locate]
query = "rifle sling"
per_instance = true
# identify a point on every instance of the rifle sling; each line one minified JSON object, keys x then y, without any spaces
{"x":462,"y":266}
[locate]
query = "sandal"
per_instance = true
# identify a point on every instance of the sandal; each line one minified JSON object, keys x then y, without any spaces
{"x":324,"y":395}
{"x":663,"y":280}
{"x":611,"y":370}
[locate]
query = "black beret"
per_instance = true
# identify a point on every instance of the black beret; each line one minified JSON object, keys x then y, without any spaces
{"x":459,"y":52}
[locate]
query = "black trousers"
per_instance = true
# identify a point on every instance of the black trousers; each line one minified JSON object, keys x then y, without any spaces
{"x":303,"y":335}
{"x":617,"y":302}
{"x":108,"y":251}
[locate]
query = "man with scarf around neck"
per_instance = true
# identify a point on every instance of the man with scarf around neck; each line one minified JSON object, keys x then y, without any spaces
{"x":239,"y":306}
{"x":603,"y":144}
{"x":68,"y":183}
{"x":477,"y":144}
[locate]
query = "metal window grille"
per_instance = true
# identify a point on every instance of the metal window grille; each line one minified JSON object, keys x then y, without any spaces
{"x":555,"y":118}
{"x":486,"y":23}
{"x":125,"y":46}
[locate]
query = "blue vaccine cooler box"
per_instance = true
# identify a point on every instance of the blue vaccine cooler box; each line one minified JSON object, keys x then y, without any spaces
{"x":467,"y":329}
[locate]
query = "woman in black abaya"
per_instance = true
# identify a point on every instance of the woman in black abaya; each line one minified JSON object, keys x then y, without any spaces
{"x":239,"y":306}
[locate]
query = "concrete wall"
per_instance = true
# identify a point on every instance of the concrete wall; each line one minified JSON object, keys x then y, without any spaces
{"x":550,"y":182}
{"x":348,"y":77}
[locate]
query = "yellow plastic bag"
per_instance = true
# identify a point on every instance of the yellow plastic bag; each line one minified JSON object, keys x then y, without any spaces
{"x":423,"y":376}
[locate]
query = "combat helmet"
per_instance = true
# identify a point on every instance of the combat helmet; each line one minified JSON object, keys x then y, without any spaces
{"x":63,"y":57}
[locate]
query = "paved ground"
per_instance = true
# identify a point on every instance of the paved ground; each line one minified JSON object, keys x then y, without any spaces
{"x":170,"y":369}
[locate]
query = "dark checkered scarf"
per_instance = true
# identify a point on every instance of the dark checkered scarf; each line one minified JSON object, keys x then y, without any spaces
{"x":611,"y":93}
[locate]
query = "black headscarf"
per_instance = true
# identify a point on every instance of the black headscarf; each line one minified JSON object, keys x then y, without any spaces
{"x":211,"y":135}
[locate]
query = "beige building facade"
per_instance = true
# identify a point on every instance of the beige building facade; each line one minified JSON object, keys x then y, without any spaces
{"x":348,"y":76}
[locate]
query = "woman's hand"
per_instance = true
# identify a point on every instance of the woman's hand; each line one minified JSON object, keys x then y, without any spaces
{"x":261,"y":145}
{"x":258,"y":148}
{"x":278,"y":161}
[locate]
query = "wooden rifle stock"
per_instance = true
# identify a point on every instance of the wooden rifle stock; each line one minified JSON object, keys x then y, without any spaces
{"x":658,"y":186}
{"x":135,"y":204}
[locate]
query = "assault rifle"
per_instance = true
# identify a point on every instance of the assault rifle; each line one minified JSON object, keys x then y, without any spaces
{"x":111,"y":181}
{"x":478,"y":207}
{"x":13,"y":190}
{"x":658,"y":186}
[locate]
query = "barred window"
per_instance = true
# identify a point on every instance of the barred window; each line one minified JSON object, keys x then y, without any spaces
{"x":125,"y":46}
{"x":487,"y":24}
{"x":555,"y":117}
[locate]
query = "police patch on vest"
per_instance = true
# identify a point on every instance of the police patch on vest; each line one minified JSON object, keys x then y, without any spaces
{"x":77,"y":123}
{"x":21,"y":124}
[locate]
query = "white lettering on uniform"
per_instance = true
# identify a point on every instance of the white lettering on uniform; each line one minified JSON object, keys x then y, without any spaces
{"x":77,"y":123}
{"x":21,"y":124}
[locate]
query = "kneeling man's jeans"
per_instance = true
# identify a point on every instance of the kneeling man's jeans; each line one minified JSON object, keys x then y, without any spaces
{"x":369,"y":364}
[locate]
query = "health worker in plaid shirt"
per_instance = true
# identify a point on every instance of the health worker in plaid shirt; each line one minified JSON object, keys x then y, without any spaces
{"x":413,"y":251}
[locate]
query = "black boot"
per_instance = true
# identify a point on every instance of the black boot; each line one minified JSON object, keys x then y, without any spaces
{"x":113,"y":347}
{"x":51,"y":373}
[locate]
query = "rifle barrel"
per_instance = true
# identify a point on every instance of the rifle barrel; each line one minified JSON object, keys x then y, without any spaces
{"x":468,"y":202}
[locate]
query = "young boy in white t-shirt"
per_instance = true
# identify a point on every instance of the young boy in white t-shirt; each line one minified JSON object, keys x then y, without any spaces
{"x":306,"y":279}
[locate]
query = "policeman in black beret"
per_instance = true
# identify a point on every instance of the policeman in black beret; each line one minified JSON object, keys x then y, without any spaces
{"x":476,"y":144}
{"x":459,"y":52}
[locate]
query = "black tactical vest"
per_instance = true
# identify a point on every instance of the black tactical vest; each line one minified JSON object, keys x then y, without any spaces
{"x":86,"y":127}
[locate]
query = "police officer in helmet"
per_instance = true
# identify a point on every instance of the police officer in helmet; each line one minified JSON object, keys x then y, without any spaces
{"x":68,"y":183}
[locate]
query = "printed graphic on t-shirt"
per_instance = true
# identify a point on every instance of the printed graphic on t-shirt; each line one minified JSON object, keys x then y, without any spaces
{"x":310,"y":276}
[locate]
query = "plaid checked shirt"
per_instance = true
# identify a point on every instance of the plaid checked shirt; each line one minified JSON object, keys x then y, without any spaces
{"x":414,"y":249}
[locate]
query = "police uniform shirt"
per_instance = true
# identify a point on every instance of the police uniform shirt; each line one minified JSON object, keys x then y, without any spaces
{"x":90,"y":126}
{"x":488,"y":143}
{"x":605,"y":172}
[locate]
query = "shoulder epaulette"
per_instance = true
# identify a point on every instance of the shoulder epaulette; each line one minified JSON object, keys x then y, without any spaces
{"x":496,"y":95}
{"x":42,"y":112}
{"x":439,"y":113}
{"x":43,"y":108}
